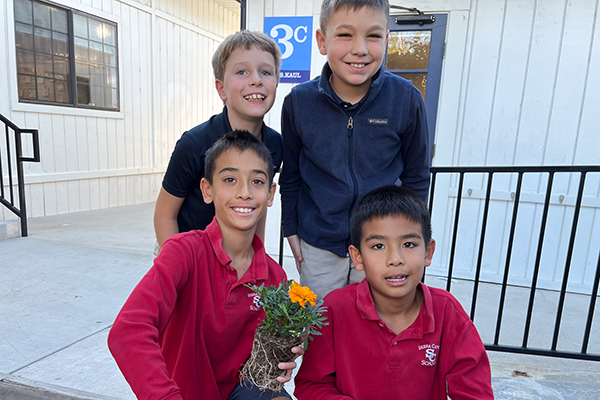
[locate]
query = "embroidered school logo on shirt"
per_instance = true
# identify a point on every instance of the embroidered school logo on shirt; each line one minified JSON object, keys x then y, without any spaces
{"x":431,"y":353}
{"x":255,"y":299}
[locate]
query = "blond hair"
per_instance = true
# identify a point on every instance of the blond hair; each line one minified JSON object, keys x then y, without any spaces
{"x":244,"y":40}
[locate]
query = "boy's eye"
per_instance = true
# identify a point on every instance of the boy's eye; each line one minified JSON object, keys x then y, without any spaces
{"x":409,"y":245}
{"x":266,"y":73}
{"x":258,"y":182}
{"x":377,"y":246}
{"x":375,"y":35}
{"x":241,"y":72}
{"x":229,"y":180}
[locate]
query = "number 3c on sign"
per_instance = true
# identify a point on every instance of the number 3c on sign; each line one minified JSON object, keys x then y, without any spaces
{"x":288,"y":34}
{"x":292,"y":34}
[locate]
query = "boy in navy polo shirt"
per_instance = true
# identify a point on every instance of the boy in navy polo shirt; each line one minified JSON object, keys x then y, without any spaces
{"x":246,"y":68}
{"x":391,"y":336}
{"x":351,"y":130}
{"x":188,"y":326}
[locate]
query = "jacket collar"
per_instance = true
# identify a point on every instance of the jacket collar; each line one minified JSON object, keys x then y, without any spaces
{"x":326,"y":89}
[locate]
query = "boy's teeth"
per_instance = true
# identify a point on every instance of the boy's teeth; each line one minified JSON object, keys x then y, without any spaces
{"x":396,"y":278}
{"x":357,"y":65}
{"x":254,"y":97}
{"x":243,"y":210}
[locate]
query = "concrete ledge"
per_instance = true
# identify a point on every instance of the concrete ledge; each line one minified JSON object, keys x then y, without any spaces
{"x":9,"y":229}
{"x":15,"y":388}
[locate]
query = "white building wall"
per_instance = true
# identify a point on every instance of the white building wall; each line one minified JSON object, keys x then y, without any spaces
{"x":520,"y":86}
{"x":95,"y":159}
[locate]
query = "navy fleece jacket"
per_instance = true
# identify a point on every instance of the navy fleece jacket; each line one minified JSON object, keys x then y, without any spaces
{"x":333,"y":157}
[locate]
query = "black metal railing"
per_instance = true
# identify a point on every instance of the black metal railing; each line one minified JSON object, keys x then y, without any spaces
{"x":6,"y":158}
{"x":490,"y":172}
{"x":520,"y":171}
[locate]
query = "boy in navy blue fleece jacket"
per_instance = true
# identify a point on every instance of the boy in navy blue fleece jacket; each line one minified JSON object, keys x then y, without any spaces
{"x":354,"y":128}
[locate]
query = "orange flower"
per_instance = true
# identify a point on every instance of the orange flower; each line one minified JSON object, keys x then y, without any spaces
{"x":302,"y":294}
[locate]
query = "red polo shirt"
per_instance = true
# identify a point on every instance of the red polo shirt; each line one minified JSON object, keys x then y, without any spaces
{"x":358,"y":357}
{"x":188,"y":326}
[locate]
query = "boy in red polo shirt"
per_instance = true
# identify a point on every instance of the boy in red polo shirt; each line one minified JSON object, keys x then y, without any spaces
{"x":391,"y":336}
{"x":188,"y":326}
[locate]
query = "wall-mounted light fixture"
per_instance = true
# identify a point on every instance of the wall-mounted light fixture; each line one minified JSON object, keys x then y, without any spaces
{"x":413,"y":19}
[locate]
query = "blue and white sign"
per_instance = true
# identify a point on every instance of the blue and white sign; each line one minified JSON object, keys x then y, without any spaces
{"x":294,"y":37}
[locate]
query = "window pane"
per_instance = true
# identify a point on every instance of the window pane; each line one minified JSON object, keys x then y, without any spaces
{"x":59,"y":21}
{"x":80,"y":26}
{"x":61,"y":68}
{"x":95,"y":30}
{"x":27,"y":87}
{"x":96,"y":52}
{"x":62,"y":92}
{"x":419,"y":80}
{"x":110,"y":56}
{"x":111,"y":98}
{"x":60,"y":44}
{"x":43,"y":65}
{"x":83,"y":93}
{"x":45,"y":89}
{"x":41,"y":15}
{"x":24,"y":36}
{"x":109,"y":34}
{"x":81,"y":49}
{"x":43,"y":42}
{"x":408,"y":50}
{"x":112,"y":80}
{"x":25,"y":62}
{"x":23,"y":11}
{"x":97,"y":96}
{"x":97,"y":75}
{"x":82,"y":69}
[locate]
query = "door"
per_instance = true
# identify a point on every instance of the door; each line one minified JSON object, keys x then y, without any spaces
{"x":416,"y":52}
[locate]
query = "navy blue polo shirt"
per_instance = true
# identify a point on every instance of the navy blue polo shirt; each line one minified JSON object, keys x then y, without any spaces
{"x":186,"y":168}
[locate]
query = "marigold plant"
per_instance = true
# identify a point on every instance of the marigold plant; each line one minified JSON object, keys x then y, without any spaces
{"x":287,"y":312}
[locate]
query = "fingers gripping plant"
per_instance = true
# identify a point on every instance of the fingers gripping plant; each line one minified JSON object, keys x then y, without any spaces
{"x":291,"y":315}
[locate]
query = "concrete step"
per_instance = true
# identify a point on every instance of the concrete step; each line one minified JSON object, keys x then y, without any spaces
{"x":9,"y":229}
{"x":15,"y":388}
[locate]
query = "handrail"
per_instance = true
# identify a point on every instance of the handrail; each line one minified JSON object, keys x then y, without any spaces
{"x":19,"y":210}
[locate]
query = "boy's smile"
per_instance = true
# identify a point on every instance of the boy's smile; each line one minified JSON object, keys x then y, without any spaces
{"x":248,"y":86}
{"x":240,"y":190}
{"x":355,"y":45}
{"x":393,"y":255}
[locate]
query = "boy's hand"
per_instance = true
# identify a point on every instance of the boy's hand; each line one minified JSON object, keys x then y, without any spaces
{"x":289,"y":367}
{"x":294,"y":242}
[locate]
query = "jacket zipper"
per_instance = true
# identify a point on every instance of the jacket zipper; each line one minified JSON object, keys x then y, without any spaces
{"x":350,"y":128}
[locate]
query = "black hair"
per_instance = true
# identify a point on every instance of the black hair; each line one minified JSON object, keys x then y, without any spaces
{"x":386,"y":201}
{"x":240,"y":140}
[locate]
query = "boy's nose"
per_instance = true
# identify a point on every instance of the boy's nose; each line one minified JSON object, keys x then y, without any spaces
{"x":255,"y":79}
{"x":244,"y":191}
{"x":359,"y":47}
{"x":395,"y":258}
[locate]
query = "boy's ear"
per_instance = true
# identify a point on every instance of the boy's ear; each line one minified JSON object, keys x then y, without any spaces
{"x":220,"y":89}
{"x":429,"y":252}
{"x":206,"y":191}
{"x":321,"y":42}
{"x":271,"y":194}
{"x":356,"y":258}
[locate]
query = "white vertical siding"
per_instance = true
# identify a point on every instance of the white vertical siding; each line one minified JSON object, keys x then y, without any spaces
{"x":93,"y":160}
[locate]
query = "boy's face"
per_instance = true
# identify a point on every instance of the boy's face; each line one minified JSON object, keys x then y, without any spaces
{"x":240,"y":190}
{"x":393,"y":255}
{"x":249,"y":84}
{"x":355,"y":44}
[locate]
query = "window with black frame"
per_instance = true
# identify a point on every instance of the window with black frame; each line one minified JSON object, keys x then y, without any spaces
{"x":65,"y":57}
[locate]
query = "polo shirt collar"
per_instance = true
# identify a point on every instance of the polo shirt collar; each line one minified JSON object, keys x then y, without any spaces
{"x":424,"y":323}
{"x":258,"y":269}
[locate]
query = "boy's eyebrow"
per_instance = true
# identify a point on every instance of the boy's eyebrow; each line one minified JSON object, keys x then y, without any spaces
{"x":375,"y":236}
{"x":232,"y":169}
{"x":350,"y":26}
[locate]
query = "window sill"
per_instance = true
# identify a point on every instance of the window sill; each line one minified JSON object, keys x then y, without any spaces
{"x":80,"y":112}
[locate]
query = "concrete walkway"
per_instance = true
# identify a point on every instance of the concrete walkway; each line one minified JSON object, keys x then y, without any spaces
{"x":61,"y":288}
